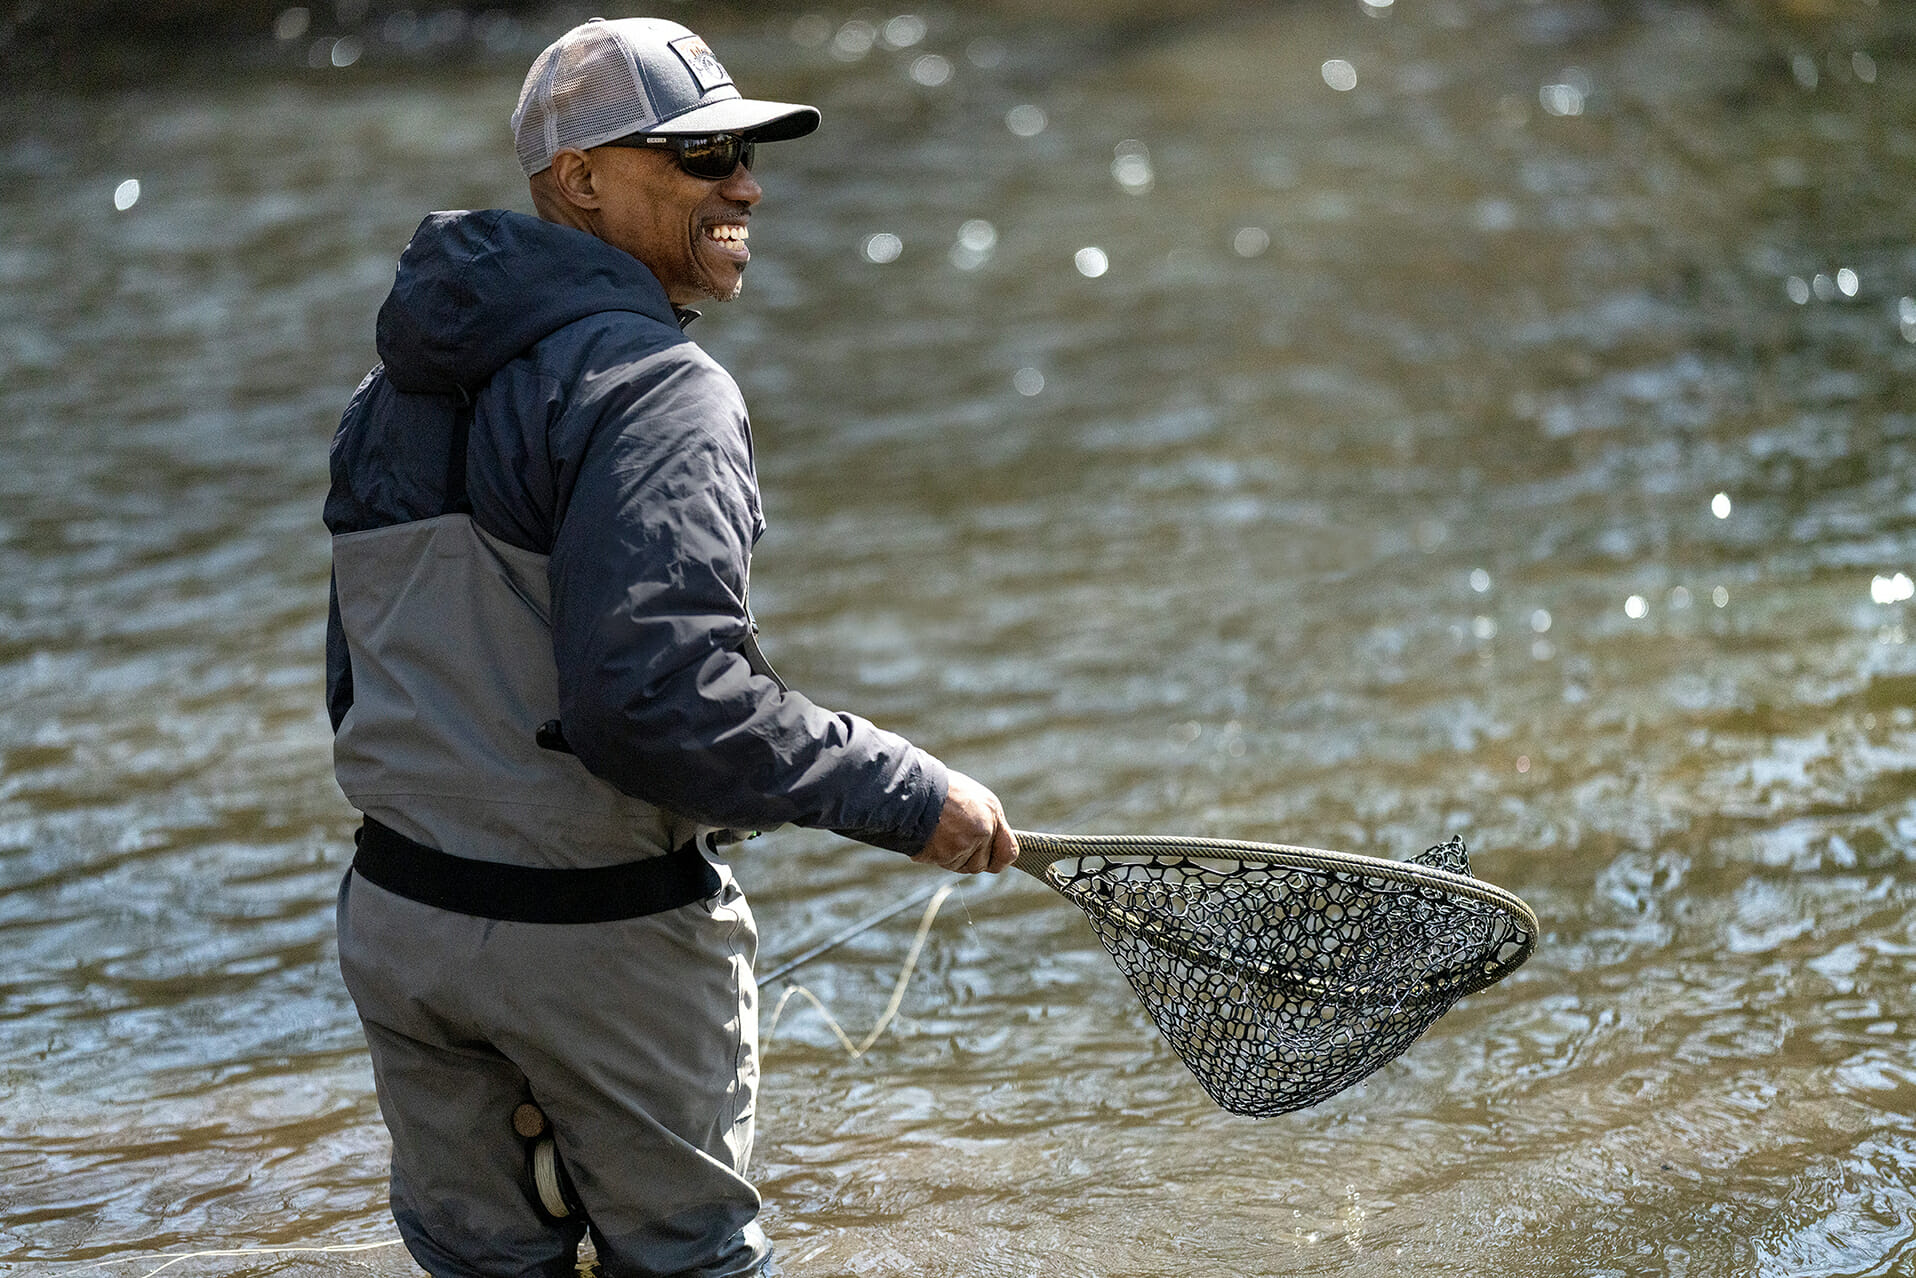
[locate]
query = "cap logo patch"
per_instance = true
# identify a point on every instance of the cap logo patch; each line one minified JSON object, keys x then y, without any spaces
{"x":707,"y":71}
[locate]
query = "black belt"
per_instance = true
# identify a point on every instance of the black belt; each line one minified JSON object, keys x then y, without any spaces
{"x":530,"y":894}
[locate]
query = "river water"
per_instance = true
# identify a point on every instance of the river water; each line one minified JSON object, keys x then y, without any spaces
{"x":1327,"y":423}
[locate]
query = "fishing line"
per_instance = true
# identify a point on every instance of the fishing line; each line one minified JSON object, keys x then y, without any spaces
{"x":898,"y":989}
{"x":936,"y":893}
{"x":1090,"y":810}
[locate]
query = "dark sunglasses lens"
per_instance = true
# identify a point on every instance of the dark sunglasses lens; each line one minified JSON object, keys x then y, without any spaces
{"x":715,"y":158}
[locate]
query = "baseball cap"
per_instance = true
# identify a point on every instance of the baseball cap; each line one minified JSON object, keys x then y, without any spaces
{"x":605,"y":79}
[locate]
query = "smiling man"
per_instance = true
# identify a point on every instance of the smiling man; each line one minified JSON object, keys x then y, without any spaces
{"x":549,"y":704}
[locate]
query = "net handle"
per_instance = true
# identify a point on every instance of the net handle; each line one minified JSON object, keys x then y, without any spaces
{"x":1038,"y":852}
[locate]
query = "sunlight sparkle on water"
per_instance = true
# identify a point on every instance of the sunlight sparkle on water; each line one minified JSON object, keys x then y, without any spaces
{"x":1131,"y":166}
{"x":1027,"y":382}
{"x":854,"y":40}
{"x":126,"y":194}
{"x":1091,"y":261}
{"x":1889,"y":590}
{"x":1340,"y":75}
{"x":985,"y":52}
{"x":931,"y":70}
{"x":1026,"y":121}
{"x":1479,"y":580}
{"x":903,"y":31}
{"x":1250,"y":241}
{"x":1566,"y":97}
{"x":1720,"y":505}
{"x":883,"y":247}
{"x":1636,"y":608}
{"x":976,"y":240}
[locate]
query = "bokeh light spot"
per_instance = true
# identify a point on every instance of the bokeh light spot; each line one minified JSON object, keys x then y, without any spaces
{"x":931,"y":70}
{"x":854,"y":40}
{"x":1889,"y":590}
{"x":1026,"y":121}
{"x":1131,"y":166}
{"x":903,"y":31}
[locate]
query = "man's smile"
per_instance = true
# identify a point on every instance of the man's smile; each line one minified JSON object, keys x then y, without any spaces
{"x":729,"y":238}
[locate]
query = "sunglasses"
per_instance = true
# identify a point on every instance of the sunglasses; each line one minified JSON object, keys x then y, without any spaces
{"x":713,"y":158}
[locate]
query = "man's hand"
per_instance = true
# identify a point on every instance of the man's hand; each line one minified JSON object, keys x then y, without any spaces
{"x":972,"y":835}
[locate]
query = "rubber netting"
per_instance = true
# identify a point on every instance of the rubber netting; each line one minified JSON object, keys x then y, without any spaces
{"x":1283,"y":979}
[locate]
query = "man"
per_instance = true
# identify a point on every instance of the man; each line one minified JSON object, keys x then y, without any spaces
{"x":548,"y":701}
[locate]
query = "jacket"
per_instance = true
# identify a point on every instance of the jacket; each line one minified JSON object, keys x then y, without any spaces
{"x":595,"y":568}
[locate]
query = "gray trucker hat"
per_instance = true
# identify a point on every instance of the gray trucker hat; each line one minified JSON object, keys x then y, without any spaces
{"x":605,"y":79}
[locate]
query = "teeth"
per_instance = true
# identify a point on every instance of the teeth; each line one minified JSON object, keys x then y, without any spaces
{"x":729,"y":232}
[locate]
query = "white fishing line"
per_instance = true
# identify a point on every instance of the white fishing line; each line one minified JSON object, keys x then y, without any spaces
{"x":857,"y":1050}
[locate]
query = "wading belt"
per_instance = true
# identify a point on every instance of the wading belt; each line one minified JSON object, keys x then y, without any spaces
{"x":531,"y":894}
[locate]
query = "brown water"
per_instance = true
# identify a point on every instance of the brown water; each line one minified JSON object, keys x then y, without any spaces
{"x":1370,"y":493}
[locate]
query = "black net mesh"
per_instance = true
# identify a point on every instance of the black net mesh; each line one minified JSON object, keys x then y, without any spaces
{"x":1284,"y":975}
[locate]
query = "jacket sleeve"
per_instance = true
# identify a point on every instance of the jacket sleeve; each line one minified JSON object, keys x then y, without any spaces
{"x":648,"y":569}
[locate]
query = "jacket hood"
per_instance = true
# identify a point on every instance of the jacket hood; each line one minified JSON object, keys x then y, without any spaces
{"x":475,"y":290}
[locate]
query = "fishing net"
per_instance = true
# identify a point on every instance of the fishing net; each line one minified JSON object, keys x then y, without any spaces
{"x":1283,"y":975}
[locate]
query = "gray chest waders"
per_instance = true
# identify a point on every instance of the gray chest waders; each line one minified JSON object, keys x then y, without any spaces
{"x":453,"y":751}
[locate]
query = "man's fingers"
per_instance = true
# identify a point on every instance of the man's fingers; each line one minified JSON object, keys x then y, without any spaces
{"x":990,"y":855}
{"x":1004,"y":849}
{"x":995,"y":854}
{"x":973,"y":836}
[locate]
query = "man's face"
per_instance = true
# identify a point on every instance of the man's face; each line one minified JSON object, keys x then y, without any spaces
{"x":689,"y":231}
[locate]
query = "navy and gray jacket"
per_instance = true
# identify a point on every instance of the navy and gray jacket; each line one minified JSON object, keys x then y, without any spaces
{"x":593,"y":570}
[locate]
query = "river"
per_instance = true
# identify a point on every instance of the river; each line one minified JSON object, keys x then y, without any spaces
{"x":1329,"y":423}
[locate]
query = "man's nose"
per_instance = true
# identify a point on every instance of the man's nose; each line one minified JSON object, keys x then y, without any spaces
{"x":742,"y":186}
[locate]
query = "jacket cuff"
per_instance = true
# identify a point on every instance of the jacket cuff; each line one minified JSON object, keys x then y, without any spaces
{"x":920,"y":802}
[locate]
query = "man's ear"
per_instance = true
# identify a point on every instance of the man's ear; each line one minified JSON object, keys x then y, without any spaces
{"x":573,"y":179}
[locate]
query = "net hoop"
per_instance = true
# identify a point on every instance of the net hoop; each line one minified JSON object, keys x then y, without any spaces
{"x":1047,"y":857}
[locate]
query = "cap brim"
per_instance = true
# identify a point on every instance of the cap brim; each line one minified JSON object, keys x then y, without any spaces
{"x":759,"y":121}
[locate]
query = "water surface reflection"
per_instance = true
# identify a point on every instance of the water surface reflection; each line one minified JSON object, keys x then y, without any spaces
{"x":1346,"y":424}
